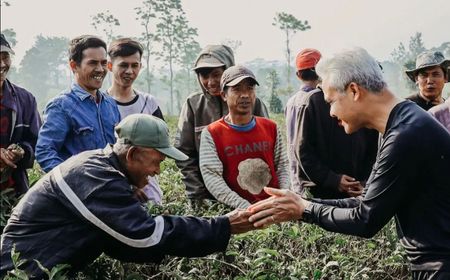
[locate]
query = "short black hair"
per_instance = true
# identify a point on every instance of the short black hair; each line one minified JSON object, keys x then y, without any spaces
{"x":308,"y":74}
{"x":124,"y":47}
{"x":80,"y":43}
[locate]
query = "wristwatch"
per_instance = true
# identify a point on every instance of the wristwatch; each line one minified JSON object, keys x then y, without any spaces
{"x":308,"y":216}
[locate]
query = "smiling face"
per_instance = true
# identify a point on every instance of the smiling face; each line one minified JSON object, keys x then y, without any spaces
{"x":431,"y":82}
{"x":141,"y":163}
{"x":91,"y":71}
{"x":125,"y":69}
{"x":241,"y":97}
{"x":210,"y":79}
{"x":5,"y":64}
{"x":343,"y":106}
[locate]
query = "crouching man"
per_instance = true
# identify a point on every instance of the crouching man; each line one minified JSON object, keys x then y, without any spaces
{"x":85,"y":207}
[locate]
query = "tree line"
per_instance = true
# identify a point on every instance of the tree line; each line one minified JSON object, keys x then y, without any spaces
{"x":168,"y":38}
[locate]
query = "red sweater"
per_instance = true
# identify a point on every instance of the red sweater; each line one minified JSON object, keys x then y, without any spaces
{"x":235,"y":146}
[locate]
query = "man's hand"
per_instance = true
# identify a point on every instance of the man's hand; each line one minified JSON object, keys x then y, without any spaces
{"x":350,"y":186}
{"x":7,"y":158}
{"x":140,"y":195}
{"x":282,"y":206}
{"x":239,"y":222}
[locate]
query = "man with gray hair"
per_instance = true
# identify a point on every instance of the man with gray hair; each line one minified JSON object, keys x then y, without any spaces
{"x":409,"y":180}
{"x":85,"y":206}
{"x":431,"y":73}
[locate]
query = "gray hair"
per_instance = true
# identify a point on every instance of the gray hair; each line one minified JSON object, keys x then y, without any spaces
{"x":120,"y":148}
{"x":355,"y":65}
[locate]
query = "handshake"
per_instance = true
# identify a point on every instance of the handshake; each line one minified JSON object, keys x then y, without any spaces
{"x":282,"y":206}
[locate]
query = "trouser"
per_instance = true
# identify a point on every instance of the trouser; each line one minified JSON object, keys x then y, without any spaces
{"x":430,"y":275}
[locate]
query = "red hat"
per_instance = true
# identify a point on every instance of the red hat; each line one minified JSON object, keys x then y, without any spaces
{"x":307,"y":58}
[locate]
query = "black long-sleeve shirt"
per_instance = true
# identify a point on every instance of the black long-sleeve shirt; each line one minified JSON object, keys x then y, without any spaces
{"x":411,"y":181}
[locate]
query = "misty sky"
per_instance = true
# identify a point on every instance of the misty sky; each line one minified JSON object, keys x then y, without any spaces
{"x":379,"y":26}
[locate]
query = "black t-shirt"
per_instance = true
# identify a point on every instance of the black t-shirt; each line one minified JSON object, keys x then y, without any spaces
{"x":419,"y":100}
{"x":411,"y":181}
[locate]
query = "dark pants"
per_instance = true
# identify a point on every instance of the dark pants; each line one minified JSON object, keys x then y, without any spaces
{"x":430,"y":275}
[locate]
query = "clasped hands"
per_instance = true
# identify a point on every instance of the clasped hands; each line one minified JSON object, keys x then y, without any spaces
{"x":9,"y":158}
{"x":281,"y":206}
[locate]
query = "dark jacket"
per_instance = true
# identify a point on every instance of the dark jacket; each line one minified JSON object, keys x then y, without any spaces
{"x":409,"y":181}
{"x":322,"y":148}
{"x":85,"y":206}
{"x":74,"y":123}
{"x":25,"y":128}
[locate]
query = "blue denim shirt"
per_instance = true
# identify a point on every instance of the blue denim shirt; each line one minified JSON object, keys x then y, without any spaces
{"x":73,"y":123}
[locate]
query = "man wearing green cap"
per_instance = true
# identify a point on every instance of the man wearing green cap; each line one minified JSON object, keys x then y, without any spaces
{"x":85,"y":207}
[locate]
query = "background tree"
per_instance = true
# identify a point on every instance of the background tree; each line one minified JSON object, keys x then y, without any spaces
{"x":145,"y":14}
{"x":43,"y":67}
{"x":105,"y":22}
{"x":416,"y":46}
{"x":400,"y":55}
{"x":190,"y":49}
{"x":406,"y":58}
{"x":272,"y":82}
{"x":171,"y":31}
{"x":290,"y":25}
{"x":10,"y":36}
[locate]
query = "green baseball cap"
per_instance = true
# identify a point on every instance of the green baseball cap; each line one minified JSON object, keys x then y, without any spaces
{"x":147,"y":131}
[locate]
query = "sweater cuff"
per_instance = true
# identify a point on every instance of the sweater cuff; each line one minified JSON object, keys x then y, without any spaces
{"x":224,"y":232}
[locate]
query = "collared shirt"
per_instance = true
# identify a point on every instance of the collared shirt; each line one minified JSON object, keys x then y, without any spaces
{"x":73,"y":123}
